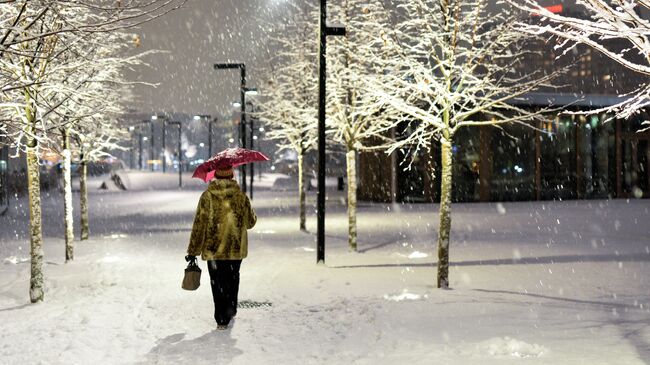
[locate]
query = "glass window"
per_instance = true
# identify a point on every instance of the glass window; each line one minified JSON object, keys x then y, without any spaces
{"x":466,"y":162}
{"x":595,"y":155}
{"x":513,"y":163}
{"x":635,"y":156}
{"x":558,"y":158}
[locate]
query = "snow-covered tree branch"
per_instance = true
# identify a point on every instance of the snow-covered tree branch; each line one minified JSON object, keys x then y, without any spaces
{"x":454,"y":64}
{"x":60,"y":70}
{"x":355,"y":119}
{"x":617,"y":29}
{"x":289,"y":105}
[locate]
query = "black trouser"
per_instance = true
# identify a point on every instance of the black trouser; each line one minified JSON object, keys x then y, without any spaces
{"x":224,"y":280}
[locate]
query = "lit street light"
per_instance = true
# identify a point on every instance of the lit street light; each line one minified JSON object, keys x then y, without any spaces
{"x":164,"y":157}
{"x":180,"y":156}
{"x":242,"y":94}
{"x":211,"y":121}
{"x":142,"y":138}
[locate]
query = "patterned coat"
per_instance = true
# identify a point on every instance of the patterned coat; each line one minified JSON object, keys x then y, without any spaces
{"x":223,"y":216}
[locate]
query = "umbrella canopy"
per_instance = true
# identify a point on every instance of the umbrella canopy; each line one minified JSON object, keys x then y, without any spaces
{"x":230,"y":157}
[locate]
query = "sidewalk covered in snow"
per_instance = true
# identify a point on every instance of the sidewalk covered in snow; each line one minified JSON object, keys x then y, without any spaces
{"x":533,"y":282}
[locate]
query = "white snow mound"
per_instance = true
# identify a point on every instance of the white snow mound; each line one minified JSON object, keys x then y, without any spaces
{"x":405,"y":295}
{"x":15,"y":260}
{"x":417,"y":255}
{"x":506,"y":346}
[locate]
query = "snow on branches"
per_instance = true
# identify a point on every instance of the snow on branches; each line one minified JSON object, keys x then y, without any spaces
{"x":618,"y":29}
{"x":453,"y":64}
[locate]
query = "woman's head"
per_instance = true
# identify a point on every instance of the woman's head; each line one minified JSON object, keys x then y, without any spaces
{"x":224,"y":173}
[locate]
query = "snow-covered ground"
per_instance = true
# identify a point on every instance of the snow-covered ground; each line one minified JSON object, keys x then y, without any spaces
{"x":533,"y":282}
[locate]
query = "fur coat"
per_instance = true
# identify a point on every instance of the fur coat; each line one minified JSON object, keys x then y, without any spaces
{"x":223,"y":216}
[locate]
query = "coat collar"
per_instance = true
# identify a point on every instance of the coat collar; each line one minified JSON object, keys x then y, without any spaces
{"x":219,"y":186}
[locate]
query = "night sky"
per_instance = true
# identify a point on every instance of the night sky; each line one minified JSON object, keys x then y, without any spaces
{"x":196,"y":37}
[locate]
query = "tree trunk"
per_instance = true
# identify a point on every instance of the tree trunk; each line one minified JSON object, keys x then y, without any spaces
{"x":351,"y":158}
{"x":83,"y":200}
{"x":301,"y":189}
{"x":445,"y":213}
{"x":35,"y":227}
{"x":67,"y":199}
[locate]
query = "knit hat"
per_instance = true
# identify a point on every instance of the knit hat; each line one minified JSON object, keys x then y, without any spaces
{"x":224,"y":173}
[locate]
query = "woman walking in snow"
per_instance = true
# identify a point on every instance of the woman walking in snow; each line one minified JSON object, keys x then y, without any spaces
{"x":219,"y":235}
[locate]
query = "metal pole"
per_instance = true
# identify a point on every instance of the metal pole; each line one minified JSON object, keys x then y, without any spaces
{"x":242,"y":91}
{"x":164,"y":159}
{"x":140,"y":150}
{"x":242,"y":132}
{"x":180,"y":174}
{"x":210,"y":121}
{"x":252,"y":147}
{"x":4,"y":179}
{"x":322,"y":49}
{"x":132,"y":153}
{"x":151,"y":153}
{"x":324,"y":31}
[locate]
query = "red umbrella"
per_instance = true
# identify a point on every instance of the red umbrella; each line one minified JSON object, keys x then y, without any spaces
{"x":230,"y":157}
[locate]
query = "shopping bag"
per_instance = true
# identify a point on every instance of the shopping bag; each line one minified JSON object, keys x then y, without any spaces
{"x":192,"y":278}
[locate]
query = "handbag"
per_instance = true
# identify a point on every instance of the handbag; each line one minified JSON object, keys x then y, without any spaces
{"x":192,"y":278}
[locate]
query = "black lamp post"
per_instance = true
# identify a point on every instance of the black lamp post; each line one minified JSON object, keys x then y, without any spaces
{"x":210,"y":120}
{"x":151,"y":153}
{"x":140,"y":139}
{"x":242,"y":95}
{"x":180,"y":170}
{"x":132,"y":149}
{"x":4,"y":179}
{"x":165,"y":120}
{"x":140,"y":150}
{"x":322,"y":78}
{"x":252,"y":129}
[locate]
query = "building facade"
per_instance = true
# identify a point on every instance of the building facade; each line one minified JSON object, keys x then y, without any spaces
{"x":567,"y":156}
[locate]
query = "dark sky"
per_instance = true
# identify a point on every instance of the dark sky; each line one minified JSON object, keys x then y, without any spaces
{"x":204,"y":32}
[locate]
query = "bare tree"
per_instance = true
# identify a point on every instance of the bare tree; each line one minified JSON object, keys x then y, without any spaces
{"x":455,"y":65}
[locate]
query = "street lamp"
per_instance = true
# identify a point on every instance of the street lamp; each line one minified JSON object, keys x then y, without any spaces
{"x":180,"y":170}
{"x":252,"y":127}
{"x":4,"y":179}
{"x":140,"y":139}
{"x":324,"y":31}
{"x":210,"y":120}
{"x":165,"y":119}
{"x":242,"y":95}
{"x":151,"y":153}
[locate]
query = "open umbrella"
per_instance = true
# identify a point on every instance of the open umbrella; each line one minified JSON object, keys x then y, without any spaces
{"x":230,"y":157}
